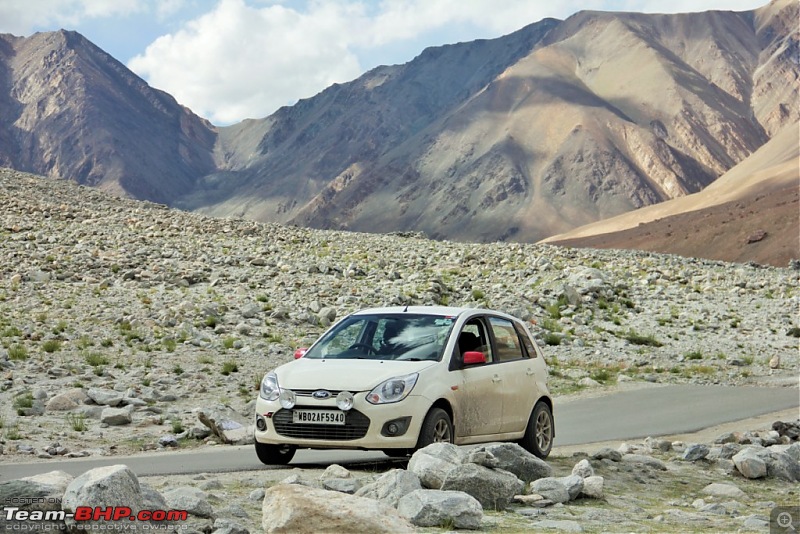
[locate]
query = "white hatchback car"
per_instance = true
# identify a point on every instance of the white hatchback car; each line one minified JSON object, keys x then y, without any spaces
{"x":398,"y":379}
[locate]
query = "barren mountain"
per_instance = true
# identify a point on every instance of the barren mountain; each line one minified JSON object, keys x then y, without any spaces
{"x":69,"y":110}
{"x":752,"y":213}
{"x":560,"y":124}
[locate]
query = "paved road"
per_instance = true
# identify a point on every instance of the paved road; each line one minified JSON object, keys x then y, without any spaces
{"x":655,"y":411}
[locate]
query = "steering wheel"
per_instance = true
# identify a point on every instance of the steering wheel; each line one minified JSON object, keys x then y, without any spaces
{"x":369,"y":348}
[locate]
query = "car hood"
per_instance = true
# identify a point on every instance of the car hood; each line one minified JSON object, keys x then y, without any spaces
{"x":350,"y":375}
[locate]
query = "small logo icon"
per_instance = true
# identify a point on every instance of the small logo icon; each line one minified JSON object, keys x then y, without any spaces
{"x":784,"y":520}
{"x":321,"y":394}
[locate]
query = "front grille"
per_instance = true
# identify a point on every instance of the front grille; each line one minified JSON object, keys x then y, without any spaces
{"x":355,"y":426}
{"x":309,"y":392}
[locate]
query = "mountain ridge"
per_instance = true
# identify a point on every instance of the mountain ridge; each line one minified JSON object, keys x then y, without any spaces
{"x":520,"y":138}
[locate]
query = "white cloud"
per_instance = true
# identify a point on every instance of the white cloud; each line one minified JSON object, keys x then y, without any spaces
{"x":21,"y":17}
{"x":239,"y":61}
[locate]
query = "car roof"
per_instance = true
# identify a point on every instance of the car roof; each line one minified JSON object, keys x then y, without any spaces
{"x":445,"y":311}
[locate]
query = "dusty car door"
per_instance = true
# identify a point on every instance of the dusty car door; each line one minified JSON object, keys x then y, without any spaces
{"x":514,"y":365}
{"x":479,"y":408}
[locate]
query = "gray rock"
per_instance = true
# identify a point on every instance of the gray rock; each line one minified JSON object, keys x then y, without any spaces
{"x":607,"y":453}
{"x":69,"y":400}
{"x":224,"y":525}
{"x":104,"y":487}
{"x":720,"y":489}
{"x":193,"y":500}
{"x":494,"y":488}
{"x":551,"y":489}
{"x":574,"y":485}
{"x":781,"y":465}
{"x":564,"y":525}
{"x":750,"y":464}
{"x":256,"y":495}
{"x":343,"y":485}
{"x":40,"y":493}
{"x":644,"y":459}
{"x":513,"y":458}
{"x":296,"y":508}
{"x":695,"y":451}
{"x":391,"y":486}
{"x":430,"y":508}
{"x":757,"y":523}
{"x":583,"y":469}
{"x":593,"y":487}
{"x":115,"y":416}
{"x":431,"y":464}
{"x":105,"y":397}
{"x":335,"y":471}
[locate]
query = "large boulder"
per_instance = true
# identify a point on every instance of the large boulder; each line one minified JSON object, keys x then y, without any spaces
{"x":551,"y":489}
{"x":432,"y":508}
{"x":40,"y":493}
{"x":115,"y":416}
{"x":432,"y":463}
{"x":193,"y":500}
{"x":227,"y":424}
{"x":494,"y":488}
{"x":514,"y":459}
{"x":104,"y":487}
{"x":69,"y":400}
{"x":304,"y":510}
{"x":750,"y":464}
{"x":391,"y":486}
{"x":105,"y":397}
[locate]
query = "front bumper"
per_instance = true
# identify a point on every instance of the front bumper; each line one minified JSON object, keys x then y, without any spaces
{"x":365,"y":425}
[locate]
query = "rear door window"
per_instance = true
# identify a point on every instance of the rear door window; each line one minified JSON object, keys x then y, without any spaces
{"x":507,"y":343}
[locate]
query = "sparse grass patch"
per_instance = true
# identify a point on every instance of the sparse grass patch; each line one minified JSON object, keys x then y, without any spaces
{"x":23,"y":401}
{"x":228,"y":342}
{"x":96,"y":359}
{"x":177,"y":425}
{"x":106,"y":343}
{"x":694,"y":355}
{"x":205,"y":359}
{"x":77,"y":422}
{"x":178,"y":370}
{"x":638,"y":339}
{"x":551,"y":339}
{"x":477,"y":294}
{"x":229,"y":367}
{"x":11,"y":331}
{"x":169,"y":344}
{"x":51,"y":345}
{"x":211,"y":321}
{"x":17,"y":352}
{"x":60,"y":327}
{"x":13,"y":433}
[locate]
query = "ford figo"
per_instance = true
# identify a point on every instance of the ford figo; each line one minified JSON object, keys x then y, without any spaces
{"x":398,"y":379}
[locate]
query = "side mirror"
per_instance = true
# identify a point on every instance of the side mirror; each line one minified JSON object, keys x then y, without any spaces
{"x":473,"y":357}
{"x":299,"y":353}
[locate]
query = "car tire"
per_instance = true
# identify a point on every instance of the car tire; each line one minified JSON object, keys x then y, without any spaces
{"x":274,"y":454}
{"x":538,"y":438}
{"x":436,"y":428}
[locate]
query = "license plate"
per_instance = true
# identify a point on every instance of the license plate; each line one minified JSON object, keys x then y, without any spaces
{"x":318,"y":417}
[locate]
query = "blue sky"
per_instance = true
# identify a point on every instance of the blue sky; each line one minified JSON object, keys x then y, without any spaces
{"x":229,"y":60}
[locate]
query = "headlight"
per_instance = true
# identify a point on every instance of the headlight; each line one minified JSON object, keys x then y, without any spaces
{"x":269,"y":387}
{"x":288,"y":399}
{"x":393,"y":390}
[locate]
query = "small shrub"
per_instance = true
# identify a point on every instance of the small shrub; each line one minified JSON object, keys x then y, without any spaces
{"x":11,"y":331}
{"x":694,"y":355}
{"x":22,"y":402}
{"x":96,"y":359}
{"x":13,"y":433}
{"x":229,"y":367}
{"x":551,"y":339}
{"x":228,"y":342}
{"x":177,"y":425}
{"x":106,"y":343}
{"x":170,"y":344}
{"x":178,"y":370}
{"x":77,"y":422}
{"x":477,"y":294}
{"x":638,"y":339}
{"x":211,"y":321}
{"x":205,"y":359}
{"x":60,"y":327}
{"x":794,"y":331}
{"x":17,"y":352}
{"x":601,"y":375}
{"x":51,"y":345}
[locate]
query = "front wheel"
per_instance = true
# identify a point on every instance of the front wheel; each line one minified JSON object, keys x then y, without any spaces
{"x":274,"y":454}
{"x":436,"y":428}
{"x":538,"y":438}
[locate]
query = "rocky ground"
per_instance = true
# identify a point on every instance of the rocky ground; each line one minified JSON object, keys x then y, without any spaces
{"x":119,"y":318}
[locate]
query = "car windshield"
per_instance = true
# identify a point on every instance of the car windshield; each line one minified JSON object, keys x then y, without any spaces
{"x":401,"y":336}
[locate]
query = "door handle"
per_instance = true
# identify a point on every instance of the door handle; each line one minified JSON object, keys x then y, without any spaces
{"x":496,"y":378}
{"x":529,"y":371}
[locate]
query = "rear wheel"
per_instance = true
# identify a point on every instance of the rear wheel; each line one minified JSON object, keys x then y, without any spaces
{"x":274,"y":454}
{"x":436,"y":428}
{"x":539,"y":434}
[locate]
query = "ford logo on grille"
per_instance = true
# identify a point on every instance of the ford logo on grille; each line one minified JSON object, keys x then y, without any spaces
{"x":321,"y":394}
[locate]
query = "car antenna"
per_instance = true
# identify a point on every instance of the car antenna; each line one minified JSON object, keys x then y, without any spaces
{"x":405,"y":309}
